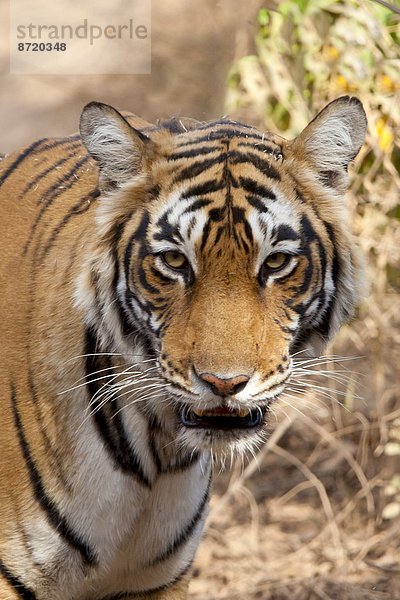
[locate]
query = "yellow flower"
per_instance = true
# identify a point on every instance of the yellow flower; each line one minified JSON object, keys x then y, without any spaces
{"x":385,"y":84}
{"x":384,"y":134}
{"x":331,"y":53}
{"x":341,"y":83}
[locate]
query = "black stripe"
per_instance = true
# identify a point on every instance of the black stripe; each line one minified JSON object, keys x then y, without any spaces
{"x":193,"y":152}
{"x":206,"y":233}
{"x":67,"y":178}
{"x":150,"y":592}
{"x":217,"y":134}
{"x":19,"y":588}
{"x":283,"y":233}
{"x":197,"y":168}
{"x":220,"y":231}
{"x":52,"y":167}
{"x":312,"y":236}
{"x":196,"y":205}
{"x":53,"y":452}
{"x":175,"y":580}
{"x":54,"y":517}
{"x":52,"y":193}
{"x":335,"y":260}
{"x":156,"y":273}
{"x":257,"y":203}
{"x":170,"y":233}
{"x":263,"y":148}
{"x":309,"y":236}
{"x":238,"y":214}
{"x":126,"y":326}
{"x":25,"y":153}
{"x":324,"y":327}
{"x":82,"y":206}
{"x":152,"y":428}
{"x":262,"y":165}
{"x":140,"y":233}
{"x":248,"y":231}
{"x":217,"y":214}
{"x":147,"y":307}
{"x":20,"y":158}
{"x":186,"y":532}
{"x":208,"y":187}
{"x":255,"y":188}
{"x":143,"y":251}
{"x":108,"y":418}
{"x":192,"y":224}
{"x":181,"y":463}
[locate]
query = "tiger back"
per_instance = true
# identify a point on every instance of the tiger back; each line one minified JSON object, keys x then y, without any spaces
{"x":156,"y":284}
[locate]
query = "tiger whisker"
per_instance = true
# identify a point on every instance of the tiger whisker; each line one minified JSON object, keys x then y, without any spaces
{"x":325,"y":360}
{"x":75,"y":385}
{"x":320,"y":388}
{"x":115,"y":390}
{"x":337,"y":378}
{"x":146,"y":397}
{"x":298,"y":352}
{"x":324,"y":372}
{"x":308,"y":402}
{"x":324,"y":394}
{"x":292,"y":406}
{"x":89,"y":381}
{"x":317,"y":367}
{"x":108,"y":399}
{"x":107,"y":384}
{"x":94,"y":354}
{"x":299,"y":380}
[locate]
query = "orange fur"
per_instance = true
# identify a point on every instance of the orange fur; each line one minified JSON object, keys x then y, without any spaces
{"x":64,"y":231}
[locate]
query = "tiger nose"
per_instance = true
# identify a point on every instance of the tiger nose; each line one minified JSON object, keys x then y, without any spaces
{"x":225,"y":387}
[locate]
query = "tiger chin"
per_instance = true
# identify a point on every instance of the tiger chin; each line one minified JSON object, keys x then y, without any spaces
{"x":157,"y":282}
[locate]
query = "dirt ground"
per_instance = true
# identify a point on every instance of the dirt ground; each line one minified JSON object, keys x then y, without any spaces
{"x":303,"y":521}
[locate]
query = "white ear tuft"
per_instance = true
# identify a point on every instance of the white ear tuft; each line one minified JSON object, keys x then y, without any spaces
{"x":118,"y":148}
{"x":333,"y":139}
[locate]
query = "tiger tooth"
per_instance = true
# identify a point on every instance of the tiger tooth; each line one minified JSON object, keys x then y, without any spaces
{"x":199,"y":413}
{"x":244,"y":412}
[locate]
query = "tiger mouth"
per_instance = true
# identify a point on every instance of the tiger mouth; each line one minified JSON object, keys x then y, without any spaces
{"x":222,"y":417}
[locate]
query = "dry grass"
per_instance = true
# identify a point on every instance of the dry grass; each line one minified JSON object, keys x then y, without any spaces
{"x":317,"y":514}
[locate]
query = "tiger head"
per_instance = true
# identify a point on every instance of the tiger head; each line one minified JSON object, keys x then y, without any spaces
{"x":221,"y":252}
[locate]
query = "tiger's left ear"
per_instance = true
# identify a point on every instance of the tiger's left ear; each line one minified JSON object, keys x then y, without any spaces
{"x":333,"y":139}
{"x":120,"y":150}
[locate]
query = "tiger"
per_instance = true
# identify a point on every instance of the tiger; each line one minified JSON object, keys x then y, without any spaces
{"x":157,"y":282}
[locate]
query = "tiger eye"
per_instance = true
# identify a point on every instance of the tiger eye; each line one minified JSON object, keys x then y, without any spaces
{"x":175,"y":259}
{"x":277,"y":260}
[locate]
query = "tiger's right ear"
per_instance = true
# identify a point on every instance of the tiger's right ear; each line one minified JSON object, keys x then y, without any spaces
{"x":332,"y":140}
{"x":120,"y":150}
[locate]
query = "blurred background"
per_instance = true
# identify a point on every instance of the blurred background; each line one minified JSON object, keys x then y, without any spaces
{"x":316,"y":515}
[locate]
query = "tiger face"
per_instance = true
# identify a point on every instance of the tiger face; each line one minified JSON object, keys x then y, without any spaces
{"x":230,"y":253}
